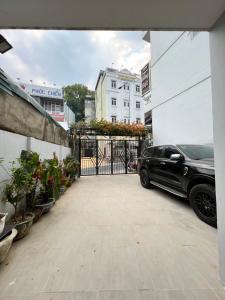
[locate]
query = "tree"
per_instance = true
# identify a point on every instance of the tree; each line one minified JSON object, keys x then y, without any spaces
{"x":75,"y":96}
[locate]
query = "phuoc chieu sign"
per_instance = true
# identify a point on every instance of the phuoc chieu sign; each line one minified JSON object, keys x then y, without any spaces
{"x":42,"y":91}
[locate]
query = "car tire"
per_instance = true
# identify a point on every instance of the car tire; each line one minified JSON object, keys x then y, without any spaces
{"x":202,"y":198}
{"x":144,"y":178}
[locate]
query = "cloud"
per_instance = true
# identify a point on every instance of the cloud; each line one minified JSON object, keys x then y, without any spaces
{"x":67,"y":57}
{"x":121,"y":48}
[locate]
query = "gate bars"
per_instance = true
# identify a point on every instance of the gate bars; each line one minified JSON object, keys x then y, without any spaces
{"x":108,"y":156}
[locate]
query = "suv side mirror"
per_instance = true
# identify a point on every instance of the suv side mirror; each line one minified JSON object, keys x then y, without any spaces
{"x":176,"y":157}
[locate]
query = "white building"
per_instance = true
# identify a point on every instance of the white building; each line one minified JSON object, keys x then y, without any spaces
{"x":181,"y":97}
{"x":118,"y":96}
{"x":51,"y":98}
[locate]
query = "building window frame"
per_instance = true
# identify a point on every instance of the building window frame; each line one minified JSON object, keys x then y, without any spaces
{"x":113,"y":84}
{"x":138,"y":89}
{"x":138,"y":104}
{"x":126,"y":103}
{"x":138,"y":120}
{"x":113,"y":117}
{"x":113,"y":101}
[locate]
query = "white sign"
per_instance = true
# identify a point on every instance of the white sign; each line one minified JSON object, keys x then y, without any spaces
{"x":42,"y":91}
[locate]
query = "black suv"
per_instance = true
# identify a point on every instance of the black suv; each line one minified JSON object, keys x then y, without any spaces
{"x":184,"y":170}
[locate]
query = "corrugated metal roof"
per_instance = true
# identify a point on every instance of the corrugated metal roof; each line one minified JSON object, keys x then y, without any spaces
{"x":10,"y":87}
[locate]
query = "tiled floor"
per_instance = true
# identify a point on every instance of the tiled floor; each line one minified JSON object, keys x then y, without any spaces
{"x":108,"y":238}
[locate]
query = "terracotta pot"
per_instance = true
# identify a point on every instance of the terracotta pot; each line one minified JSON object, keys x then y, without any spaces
{"x":23,"y":227}
{"x":2,"y":221}
{"x":6,"y":244}
{"x":45,"y":207}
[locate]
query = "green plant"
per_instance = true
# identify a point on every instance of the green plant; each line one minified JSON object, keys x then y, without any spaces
{"x":21,"y":183}
{"x":30,"y":161}
{"x":50,"y":176}
{"x":71,"y":166}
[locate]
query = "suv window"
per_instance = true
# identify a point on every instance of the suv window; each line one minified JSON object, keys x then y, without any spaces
{"x":158,"y":151}
{"x":148,"y":152}
{"x":170,"y":150}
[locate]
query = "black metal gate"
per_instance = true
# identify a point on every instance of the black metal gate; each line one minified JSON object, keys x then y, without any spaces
{"x":108,"y":156}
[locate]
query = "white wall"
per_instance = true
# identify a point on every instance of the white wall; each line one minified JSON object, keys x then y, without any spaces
{"x":217,"y":47}
{"x":181,"y":88}
{"x":46,"y":149}
{"x":162,"y":41}
{"x":188,"y":119}
{"x":12,"y":144}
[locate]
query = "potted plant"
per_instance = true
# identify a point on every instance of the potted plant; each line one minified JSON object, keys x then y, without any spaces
{"x":49,"y":177}
{"x":2,"y":215}
{"x":6,"y":243}
{"x":2,"y":221}
{"x":15,"y":193}
{"x":31,"y":162}
{"x":70,"y":167}
{"x":63,"y":183}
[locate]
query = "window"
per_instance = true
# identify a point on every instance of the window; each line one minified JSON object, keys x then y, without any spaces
{"x":148,"y":152}
{"x":138,"y":120}
{"x":124,"y":120}
{"x":53,"y":107}
{"x":58,"y":108}
{"x":113,"y":119}
{"x":113,"y":84}
{"x":114,"y":101}
{"x":49,"y":106}
{"x":138,"y":88}
{"x":126,"y":86}
{"x":169,"y":150}
{"x":45,"y":105}
{"x":198,"y":151}
{"x":138,"y":104}
{"x":126,"y":103}
{"x":158,"y":152}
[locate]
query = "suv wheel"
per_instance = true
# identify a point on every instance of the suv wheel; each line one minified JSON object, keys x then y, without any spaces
{"x":203,"y":200}
{"x":144,"y":178}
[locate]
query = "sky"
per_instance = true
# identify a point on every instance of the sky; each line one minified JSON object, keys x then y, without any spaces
{"x":67,"y":57}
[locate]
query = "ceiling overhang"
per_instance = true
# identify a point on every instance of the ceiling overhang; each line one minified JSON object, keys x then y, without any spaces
{"x":115,"y":15}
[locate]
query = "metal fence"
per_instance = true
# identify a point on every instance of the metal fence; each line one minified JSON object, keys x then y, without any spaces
{"x":108,"y":156}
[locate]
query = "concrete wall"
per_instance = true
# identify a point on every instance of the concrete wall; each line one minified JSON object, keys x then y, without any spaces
{"x":19,"y":116}
{"x":181,"y":88}
{"x":90,"y":112}
{"x":217,"y":47}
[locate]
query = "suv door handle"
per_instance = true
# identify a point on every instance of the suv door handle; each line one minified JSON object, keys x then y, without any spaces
{"x":162,"y":163}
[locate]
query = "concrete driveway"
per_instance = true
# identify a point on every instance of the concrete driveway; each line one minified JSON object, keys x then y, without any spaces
{"x":108,"y":238}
